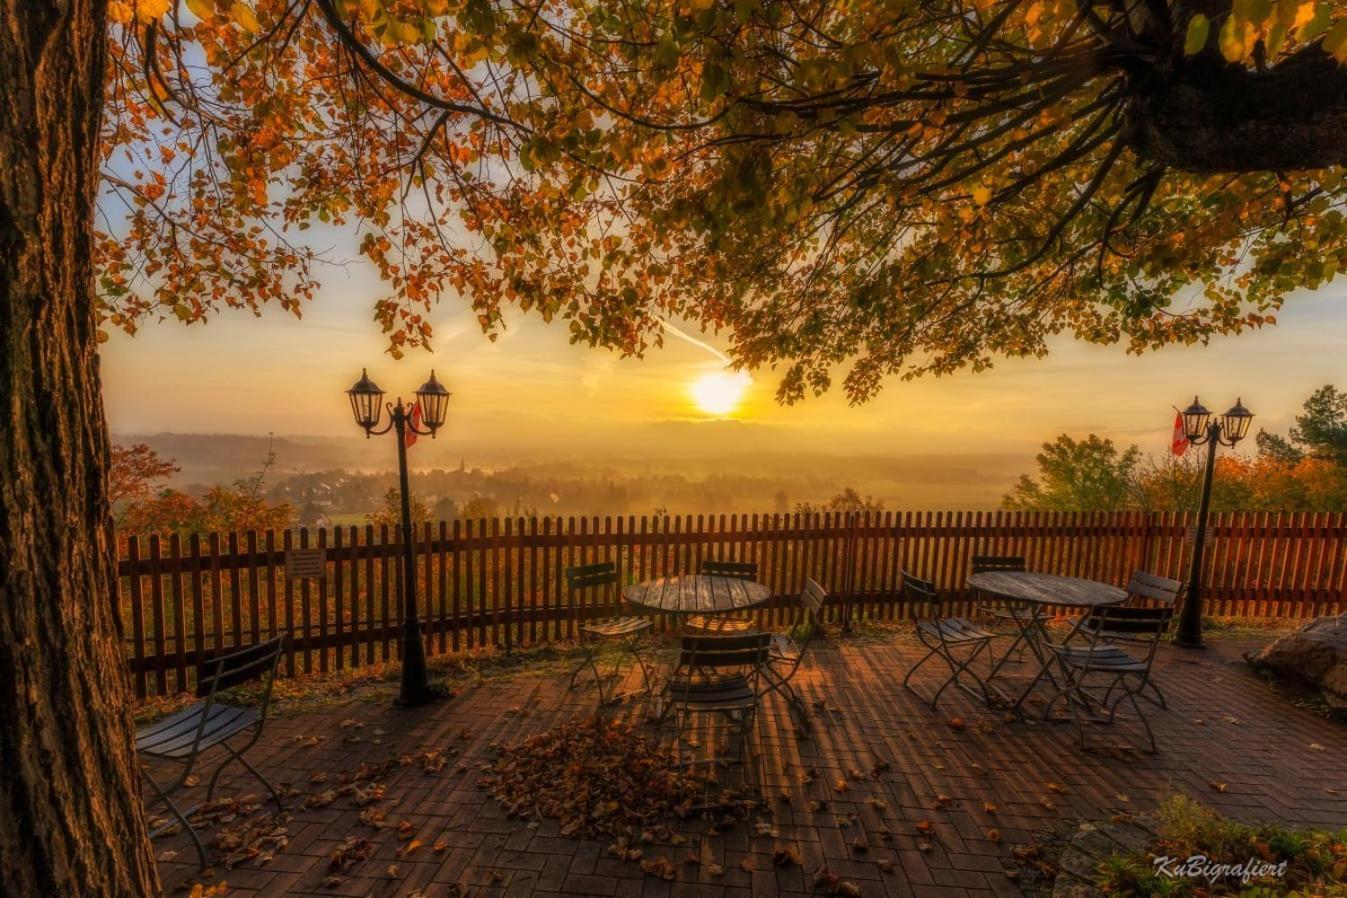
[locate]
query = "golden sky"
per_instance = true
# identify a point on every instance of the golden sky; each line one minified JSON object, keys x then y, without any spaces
{"x":240,"y":374}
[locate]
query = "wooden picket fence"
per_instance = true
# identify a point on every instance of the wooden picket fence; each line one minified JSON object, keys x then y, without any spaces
{"x":499,"y":582}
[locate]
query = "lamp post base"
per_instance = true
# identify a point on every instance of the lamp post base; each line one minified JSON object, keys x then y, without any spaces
{"x":1188,"y":643}
{"x":419,"y":697}
{"x":416,"y":688}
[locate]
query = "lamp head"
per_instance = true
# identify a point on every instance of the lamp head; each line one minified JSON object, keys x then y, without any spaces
{"x":1235,"y":423}
{"x":1196,"y":417}
{"x":434,"y":399}
{"x":367,"y":402}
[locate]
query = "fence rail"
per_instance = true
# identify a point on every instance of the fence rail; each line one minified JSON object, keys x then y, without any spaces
{"x":499,"y":582}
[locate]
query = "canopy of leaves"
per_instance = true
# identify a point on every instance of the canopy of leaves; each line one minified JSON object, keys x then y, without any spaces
{"x":1084,"y":475}
{"x":906,"y":186}
{"x":1303,"y":471}
{"x":135,"y":472}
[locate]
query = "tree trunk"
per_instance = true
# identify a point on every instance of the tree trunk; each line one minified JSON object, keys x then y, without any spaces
{"x":71,"y":820}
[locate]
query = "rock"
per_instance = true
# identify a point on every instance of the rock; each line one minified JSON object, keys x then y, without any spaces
{"x":1314,"y":656}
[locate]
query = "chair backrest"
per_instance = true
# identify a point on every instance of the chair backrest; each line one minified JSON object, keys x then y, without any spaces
{"x":1128,"y":623}
{"x":589,"y":576}
{"x":742,"y":570}
{"x":709,"y":653}
{"x":812,"y":599}
{"x":238,"y":667}
{"x":1145,"y":585}
{"x":917,"y":590}
{"x":985,"y":563}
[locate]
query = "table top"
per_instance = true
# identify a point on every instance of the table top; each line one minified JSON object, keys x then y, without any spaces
{"x":1047,"y":589}
{"x":697,"y":594}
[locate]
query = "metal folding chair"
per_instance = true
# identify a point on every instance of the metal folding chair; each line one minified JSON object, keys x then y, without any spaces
{"x":724,"y":624}
{"x":788,"y":649}
{"x":719,"y":675}
{"x":1097,"y":662}
{"x":209,"y":724}
{"x":1145,"y":589}
{"x":946,"y":638}
{"x":624,"y":631}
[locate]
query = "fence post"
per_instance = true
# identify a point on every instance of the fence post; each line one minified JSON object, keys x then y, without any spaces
{"x":1147,"y":522}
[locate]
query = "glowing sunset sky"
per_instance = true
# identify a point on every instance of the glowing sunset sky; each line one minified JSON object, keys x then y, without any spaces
{"x":239,"y":374}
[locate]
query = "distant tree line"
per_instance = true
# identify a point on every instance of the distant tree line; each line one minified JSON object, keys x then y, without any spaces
{"x":144,"y":503}
{"x":1302,"y":470}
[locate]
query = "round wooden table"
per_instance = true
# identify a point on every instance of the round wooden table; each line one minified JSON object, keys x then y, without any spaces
{"x":1040,"y":592}
{"x":1047,"y":589}
{"x":697,"y":594}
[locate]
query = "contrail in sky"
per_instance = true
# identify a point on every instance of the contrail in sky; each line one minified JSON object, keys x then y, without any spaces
{"x":683,"y":335}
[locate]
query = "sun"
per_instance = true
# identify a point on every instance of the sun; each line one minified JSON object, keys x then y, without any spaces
{"x":720,"y":392}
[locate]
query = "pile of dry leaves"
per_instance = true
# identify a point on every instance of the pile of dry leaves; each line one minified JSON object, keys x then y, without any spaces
{"x":594,"y":776}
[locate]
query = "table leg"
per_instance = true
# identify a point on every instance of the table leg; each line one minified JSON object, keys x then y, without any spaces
{"x":1045,"y":657}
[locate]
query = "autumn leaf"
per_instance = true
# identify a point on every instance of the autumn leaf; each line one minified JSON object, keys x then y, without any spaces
{"x":242,"y":14}
{"x":1199,"y":26}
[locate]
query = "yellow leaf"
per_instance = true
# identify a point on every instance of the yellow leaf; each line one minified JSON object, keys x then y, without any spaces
{"x":1199,"y":26}
{"x":1276,"y":36}
{"x":149,"y":10}
{"x":1335,"y":42}
{"x":202,"y":9}
{"x":982,"y":195}
{"x":120,"y":12}
{"x":1234,"y":39}
{"x":1311,"y":25}
{"x":244,"y":17}
{"x":1290,"y":12}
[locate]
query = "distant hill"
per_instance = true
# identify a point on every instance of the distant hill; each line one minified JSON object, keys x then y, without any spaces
{"x":901,"y":481}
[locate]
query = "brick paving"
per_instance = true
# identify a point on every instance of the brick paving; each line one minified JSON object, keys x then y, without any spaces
{"x":952,"y":803}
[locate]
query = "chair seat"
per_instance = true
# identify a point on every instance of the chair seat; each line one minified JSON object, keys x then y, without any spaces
{"x":954,"y":630}
{"x":615,"y":627}
{"x":1108,"y":658}
{"x":730,"y":693}
{"x":707,"y":623}
{"x":174,"y":736}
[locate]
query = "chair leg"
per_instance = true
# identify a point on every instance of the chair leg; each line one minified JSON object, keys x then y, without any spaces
{"x":958,"y":669}
{"x":954,"y":675}
{"x":1159,"y":696}
{"x":215,"y":777}
{"x":631,"y":648}
{"x":238,"y":756}
{"x":163,"y":795}
{"x":1131,"y":696}
{"x":913,"y":668}
{"x":590,"y":661}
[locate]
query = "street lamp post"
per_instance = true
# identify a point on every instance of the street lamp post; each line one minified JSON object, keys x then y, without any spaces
{"x":367,"y":405}
{"x":1203,"y":428}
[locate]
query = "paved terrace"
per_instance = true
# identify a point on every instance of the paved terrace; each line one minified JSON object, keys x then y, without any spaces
{"x":948,"y":810}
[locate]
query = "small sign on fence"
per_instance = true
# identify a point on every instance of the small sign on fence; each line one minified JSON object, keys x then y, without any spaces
{"x":302,"y":563}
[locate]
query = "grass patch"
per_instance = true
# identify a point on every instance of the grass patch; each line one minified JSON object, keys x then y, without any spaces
{"x":1295,"y":863}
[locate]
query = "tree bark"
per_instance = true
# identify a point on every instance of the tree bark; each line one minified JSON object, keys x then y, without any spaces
{"x":71,"y":820}
{"x":1208,"y":116}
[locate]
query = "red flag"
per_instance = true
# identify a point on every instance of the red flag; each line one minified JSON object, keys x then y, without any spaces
{"x":1178,"y":443}
{"x":410,"y":439}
